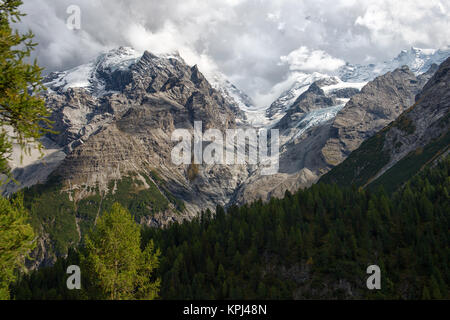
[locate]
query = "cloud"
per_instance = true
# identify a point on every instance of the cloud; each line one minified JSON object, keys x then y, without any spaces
{"x":303,"y":59}
{"x":245,"y":39}
{"x":406,"y":22}
{"x":169,"y":40}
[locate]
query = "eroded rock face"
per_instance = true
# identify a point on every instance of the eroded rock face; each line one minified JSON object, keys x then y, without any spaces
{"x":380,"y":102}
{"x":314,"y":98}
{"x":121,"y":116}
{"x":121,"y":121}
{"x":109,"y":136}
{"x":115,"y":121}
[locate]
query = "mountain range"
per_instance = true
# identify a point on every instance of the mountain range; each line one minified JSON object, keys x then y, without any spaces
{"x":115,"y":116}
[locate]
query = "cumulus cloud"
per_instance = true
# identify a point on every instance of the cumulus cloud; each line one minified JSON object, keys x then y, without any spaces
{"x":257,"y":44}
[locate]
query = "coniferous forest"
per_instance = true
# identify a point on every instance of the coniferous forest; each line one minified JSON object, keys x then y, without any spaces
{"x":316,"y":243}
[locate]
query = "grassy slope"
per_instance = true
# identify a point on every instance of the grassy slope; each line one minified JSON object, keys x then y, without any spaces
{"x":54,"y":213}
{"x":362,"y":164}
{"x":411,"y":164}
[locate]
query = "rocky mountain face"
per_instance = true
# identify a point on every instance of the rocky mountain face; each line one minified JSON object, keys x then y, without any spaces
{"x":315,"y":98}
{"x":380,"y":102}
{"x":115,"y":117}
{"x":356,"y":76}
{"x":324,"y":126}
{"x":416,"y":138}
{"x":121,"y":118}
{"x":287,"y":98}
{"x":233,"y":95}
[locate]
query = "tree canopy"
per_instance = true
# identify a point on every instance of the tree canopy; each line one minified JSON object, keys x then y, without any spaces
{"x":23,"y":114}
{"x":116,"y":266}
{"x":16,"y":240}
{"x":23,"y":120}
{"x":316,"y":243}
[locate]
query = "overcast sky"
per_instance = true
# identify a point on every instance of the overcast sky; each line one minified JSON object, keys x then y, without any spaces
{"x":256,"y":43}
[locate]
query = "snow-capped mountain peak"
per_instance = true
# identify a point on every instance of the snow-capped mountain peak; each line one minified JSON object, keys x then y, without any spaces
{"x":356,"y":75}
{"x":418,"y":60}
{"x":230,"y":92}
{"x":120,"y":58}
{"x":287,"y":98}
{"x":87,"y":76}
{"x":92,"y":75}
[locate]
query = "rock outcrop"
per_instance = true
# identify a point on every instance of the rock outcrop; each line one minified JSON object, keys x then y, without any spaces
{"x":416,"y":138}
{"x":380,"y":102}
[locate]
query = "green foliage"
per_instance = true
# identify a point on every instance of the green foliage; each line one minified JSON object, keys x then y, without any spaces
{"x":139,"y":200}
{"x":54,"y":212}
{"x":117,"y":267}
{"x":314,"y":244}
{"x":362,"y":164}
{"x":16,"y":240}
{"x":179,"y":204}
{"x":20,"y":107}
{"x":23,"y":120}
{"x":306,"y":244}
{"x":407,"y":167}
{"x":50,"y":282}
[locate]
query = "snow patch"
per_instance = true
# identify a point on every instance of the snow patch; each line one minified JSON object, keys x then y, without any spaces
{"x":343,"y":85}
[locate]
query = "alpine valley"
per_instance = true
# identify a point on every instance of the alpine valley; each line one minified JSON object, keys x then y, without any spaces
{"x":367,"y":125}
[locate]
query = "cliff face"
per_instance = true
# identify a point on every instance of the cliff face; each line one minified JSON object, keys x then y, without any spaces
{"x":116,"y":114}
{"x":156,"y":95}
{"x":121,"y":121}
{"x":380,"y":102}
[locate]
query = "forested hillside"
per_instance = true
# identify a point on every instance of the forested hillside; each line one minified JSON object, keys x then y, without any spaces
{"x":316,"y":243}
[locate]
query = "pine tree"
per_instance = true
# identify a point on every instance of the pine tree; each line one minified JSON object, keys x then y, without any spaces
{"x":23,"y":120}
{"x":16,"y":240}
{"x":116,"y":265}
{"x":426,"y":294}
{"x":23,"y":115}
{"x":333,"y":240}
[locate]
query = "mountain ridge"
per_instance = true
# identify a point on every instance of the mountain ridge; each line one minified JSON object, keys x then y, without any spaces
{"x":357,"y":75}
{"x":419,"y":135}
